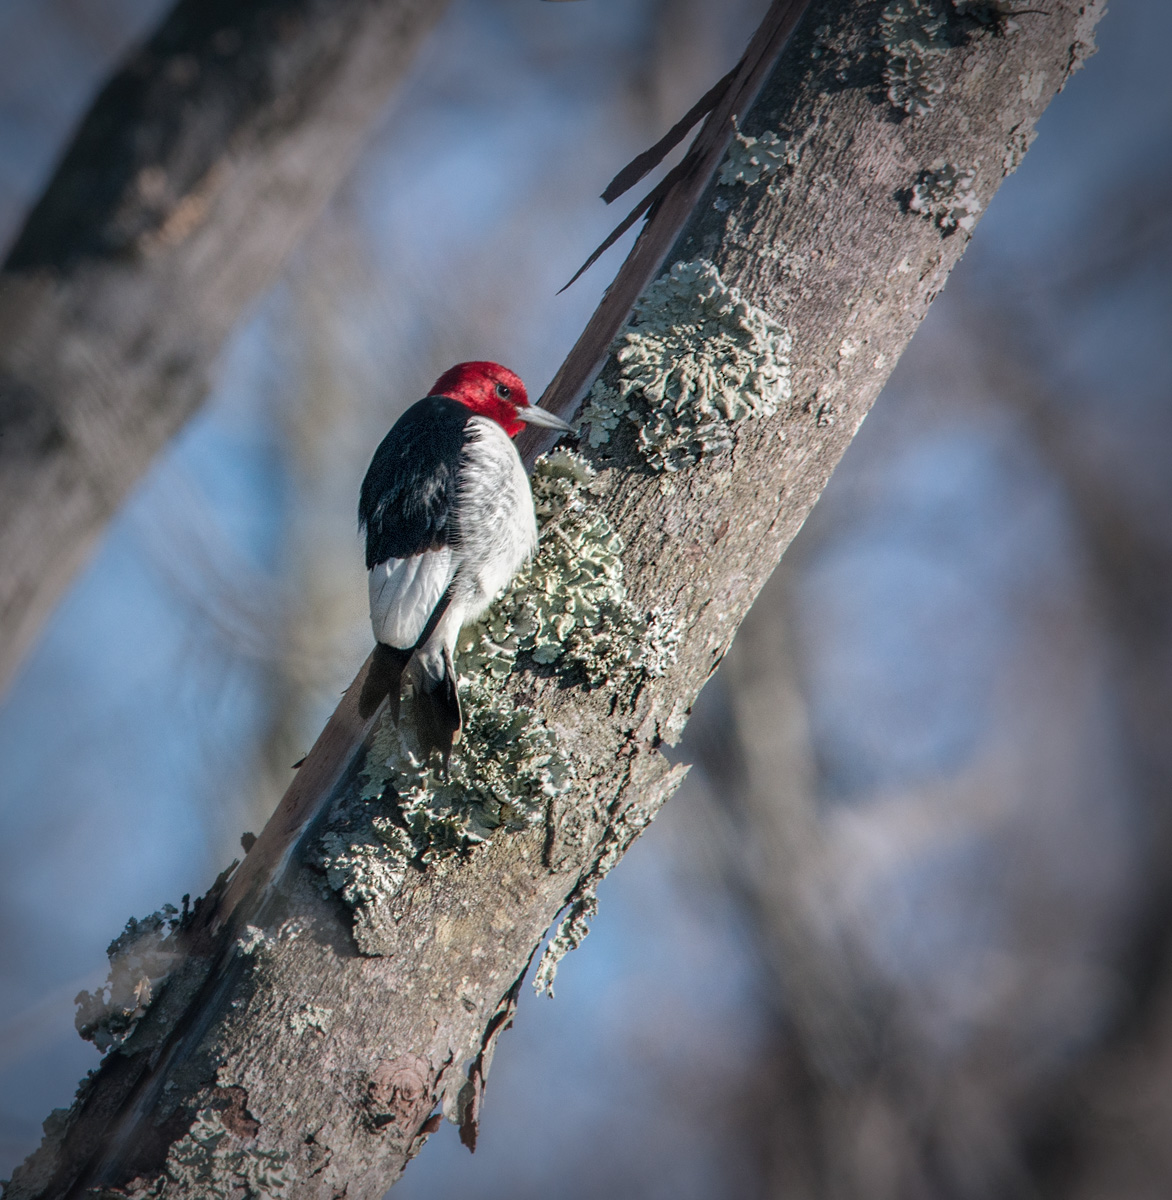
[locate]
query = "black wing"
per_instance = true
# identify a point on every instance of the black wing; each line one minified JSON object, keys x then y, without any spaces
{"x":408,"y":500}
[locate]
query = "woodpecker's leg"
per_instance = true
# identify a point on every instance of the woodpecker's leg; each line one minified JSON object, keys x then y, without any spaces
{"x":385,"y":678}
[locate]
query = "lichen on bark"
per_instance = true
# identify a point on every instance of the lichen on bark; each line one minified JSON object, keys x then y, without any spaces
{"x":695,"y":358}
{"x":565,"y":611}
{"x":568,"y":607}
{"x":751,"y":159}
{"x":569,"y":935}
{"x":912,"y":35}
{"x":944,"y":195}
{"x":212,"y":1161}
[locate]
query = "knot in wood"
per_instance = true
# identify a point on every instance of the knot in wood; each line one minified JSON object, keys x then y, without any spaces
{"x":397,"y":1091}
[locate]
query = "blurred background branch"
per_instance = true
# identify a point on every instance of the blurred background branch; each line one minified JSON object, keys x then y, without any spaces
{"x":200,"y":165}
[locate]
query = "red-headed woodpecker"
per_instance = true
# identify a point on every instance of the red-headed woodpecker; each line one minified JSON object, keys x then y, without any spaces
{"x":449,"y":519}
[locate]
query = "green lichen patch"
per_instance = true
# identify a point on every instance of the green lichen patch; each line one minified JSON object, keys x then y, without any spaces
{"x":365,"y":854}
{"x":570,"y":934}
{"x":620,"y":832}
{"x":751,"y":159}
{"x":141,"y":957}
{"x":506,"y":768}
{"x":696,"y":358}
{"x":913,"y":39}
{"x":211,"y":1162}
{"x":944,"y":195}
{"x":502,"y":774}
{"x":568,"y":607}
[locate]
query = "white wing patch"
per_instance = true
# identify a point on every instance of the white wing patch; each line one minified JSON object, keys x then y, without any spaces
{"x":405,"y":591}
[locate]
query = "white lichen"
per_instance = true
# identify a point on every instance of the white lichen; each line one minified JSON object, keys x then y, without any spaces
{"x":912,"y":34}
{"x":502,"y":774}
{"x":751,"y":159}
{"x":506,"y":769}
{"x":618,"y":836}
{"x":570,"y":934}
{"x":1020,"y":140}
{"x":311,"y":1016}
{"x":141,"y":958}
{"x":1083,"y":44}
{"x":944,"y":195}
{"x":251,"y":939}
{"x":213,"y":1163}
{"x":365,"y":857}
{"x":695,"y":358}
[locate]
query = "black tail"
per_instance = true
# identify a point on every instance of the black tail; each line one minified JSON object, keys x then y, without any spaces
{"x":385,"y":678}
{"x":437,"y":712}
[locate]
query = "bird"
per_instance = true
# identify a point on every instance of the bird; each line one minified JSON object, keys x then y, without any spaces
{"x":448,"y":516}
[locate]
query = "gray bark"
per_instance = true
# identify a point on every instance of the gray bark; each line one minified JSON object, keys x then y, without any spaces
{"x":197,"y":169}
{"x":331,"y":1039}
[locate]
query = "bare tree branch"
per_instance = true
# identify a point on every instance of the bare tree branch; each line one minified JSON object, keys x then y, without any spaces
{"x":199,"y":167}
{"x":312,"y":1039}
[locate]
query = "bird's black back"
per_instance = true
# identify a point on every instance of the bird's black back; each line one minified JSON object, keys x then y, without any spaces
{"x":408,"y":500}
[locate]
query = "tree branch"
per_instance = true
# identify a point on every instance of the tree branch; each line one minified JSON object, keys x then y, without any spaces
{"x":196,"y":171}
{"x":371,"y":946}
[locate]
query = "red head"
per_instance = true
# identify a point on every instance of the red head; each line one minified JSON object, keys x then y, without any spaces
{"x":488,"y":389}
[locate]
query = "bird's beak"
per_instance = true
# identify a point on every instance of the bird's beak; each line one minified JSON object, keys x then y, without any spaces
{"x":532,"y":415}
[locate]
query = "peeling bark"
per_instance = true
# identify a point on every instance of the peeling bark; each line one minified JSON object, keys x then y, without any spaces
{"x":825,"y":243}
{"x":196,"y":171}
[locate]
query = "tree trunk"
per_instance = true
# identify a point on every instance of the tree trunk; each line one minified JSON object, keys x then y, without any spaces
{"x":371,"y":948}
{"x":198,"y":168}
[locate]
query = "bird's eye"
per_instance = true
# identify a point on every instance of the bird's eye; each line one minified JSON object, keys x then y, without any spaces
{"x":503,"y":391}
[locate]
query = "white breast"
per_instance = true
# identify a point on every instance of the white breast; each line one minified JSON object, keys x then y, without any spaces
{"x":498,"y":530}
